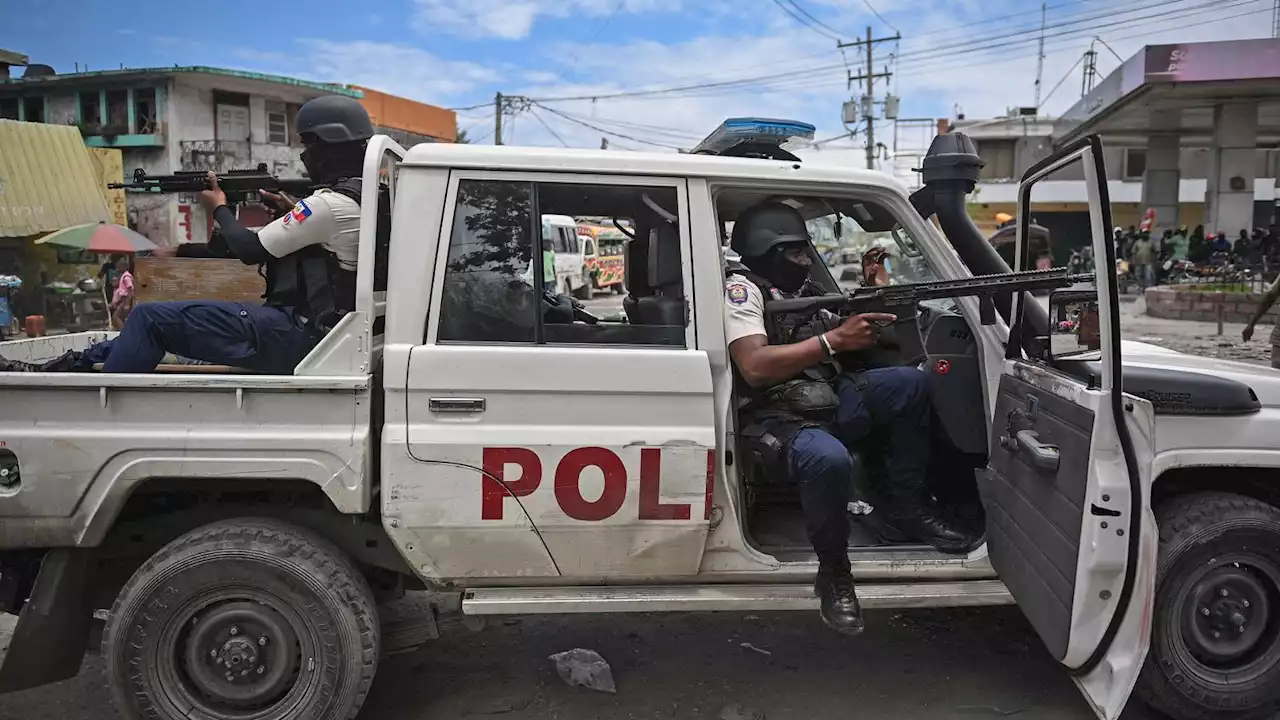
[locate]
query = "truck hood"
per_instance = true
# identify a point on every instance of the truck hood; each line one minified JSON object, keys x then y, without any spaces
{"x":1148,"y":359}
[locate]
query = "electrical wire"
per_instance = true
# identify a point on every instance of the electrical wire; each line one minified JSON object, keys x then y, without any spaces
{"x":875,"y":12}
{"x":1065,"y":75}
{"x":1109,"y":48}
{"x":599,"y":129}
{"x":554,"y":134}
{"x":573,"y":61}
{"x":908,"y":58}
{"x":800,"y":19}
{"x":795,"y":4}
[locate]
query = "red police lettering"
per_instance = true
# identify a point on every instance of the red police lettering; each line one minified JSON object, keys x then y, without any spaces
{"x":495,"y":485}
{"x":569,"y":492}
{"x":651,"y":506}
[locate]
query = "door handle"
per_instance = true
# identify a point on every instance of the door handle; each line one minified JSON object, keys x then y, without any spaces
{"x":456,"y":405}
{"x":1043,"y":457}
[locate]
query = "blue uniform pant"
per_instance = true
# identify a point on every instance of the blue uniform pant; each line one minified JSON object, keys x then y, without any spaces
{"x":888,"y":404}
{"x":254,"y":337}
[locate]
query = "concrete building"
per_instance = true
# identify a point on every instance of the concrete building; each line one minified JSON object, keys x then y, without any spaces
{"x":1190,"y":130}
{"x":197,"y":118}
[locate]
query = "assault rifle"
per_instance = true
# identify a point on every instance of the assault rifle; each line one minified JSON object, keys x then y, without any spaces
{"x":884,"y":298}
{"x":239,"y":185}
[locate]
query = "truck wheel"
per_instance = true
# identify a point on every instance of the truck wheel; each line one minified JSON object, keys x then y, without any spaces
{"x":244,"y":618}
{"x":1215,"y":643}
{"x":619,"y":288}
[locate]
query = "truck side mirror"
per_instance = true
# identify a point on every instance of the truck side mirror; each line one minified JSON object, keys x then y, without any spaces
{"x":1074,"y":331}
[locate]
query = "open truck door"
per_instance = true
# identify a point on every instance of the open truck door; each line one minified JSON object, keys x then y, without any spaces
{"x":1067,"y":489}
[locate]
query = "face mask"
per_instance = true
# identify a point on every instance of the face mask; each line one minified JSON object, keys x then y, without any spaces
{"x":312,"y":164}
{"x":788,"y":276}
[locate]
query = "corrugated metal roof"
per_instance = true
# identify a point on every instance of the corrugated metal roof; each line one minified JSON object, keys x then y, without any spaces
{"x":47,"y":181}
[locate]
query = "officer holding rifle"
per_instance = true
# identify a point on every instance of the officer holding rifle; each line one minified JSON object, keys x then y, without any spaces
{"x":309,"y":254}
{"x":804,"y":410}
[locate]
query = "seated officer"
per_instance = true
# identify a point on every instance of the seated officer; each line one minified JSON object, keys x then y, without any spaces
{"x":794,"y":389}
{"x":310,"y":259}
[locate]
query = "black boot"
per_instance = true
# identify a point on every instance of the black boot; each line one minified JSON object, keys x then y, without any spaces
{"x":63,"y":363}
{"x":917,"y":515}
{"x":929,"y":526}
{"x":840,"y":609}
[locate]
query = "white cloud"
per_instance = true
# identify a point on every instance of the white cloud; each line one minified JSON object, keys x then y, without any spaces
{"x":514,"y":19}
{"x":807,"y":76}
{"x":398,"y":69}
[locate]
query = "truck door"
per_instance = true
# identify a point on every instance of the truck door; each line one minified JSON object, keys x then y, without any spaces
{"x":541,"y":442}
{"x":1067,"y":489}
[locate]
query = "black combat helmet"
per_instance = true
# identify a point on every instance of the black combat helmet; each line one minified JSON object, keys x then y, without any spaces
{"x":765,"y":226}
{"x":334,"y":119}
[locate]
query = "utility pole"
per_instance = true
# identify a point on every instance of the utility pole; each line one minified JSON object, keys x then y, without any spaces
{"x":604,"y":143}
{"x":1040,"y":55}
{"x":868,"y":97}
{"x":1090,"y":71}
{"x":1275,"y":20}
{"x":497,"y":118}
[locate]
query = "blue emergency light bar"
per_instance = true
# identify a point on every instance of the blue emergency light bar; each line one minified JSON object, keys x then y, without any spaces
{"x":756,"y":137}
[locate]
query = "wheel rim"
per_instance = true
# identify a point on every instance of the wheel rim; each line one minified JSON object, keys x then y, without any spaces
{"x":1228,"y":622}
{"x":237,"y":655}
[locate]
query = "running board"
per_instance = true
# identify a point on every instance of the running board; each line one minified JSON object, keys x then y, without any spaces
{"x":693,"y":598}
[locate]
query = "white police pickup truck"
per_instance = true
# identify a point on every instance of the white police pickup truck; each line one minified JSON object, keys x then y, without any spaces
{"x":244,"y":530}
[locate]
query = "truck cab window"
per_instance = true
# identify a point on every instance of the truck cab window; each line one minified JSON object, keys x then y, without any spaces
{"x":487,"y":296}
{"x":496,"y":289}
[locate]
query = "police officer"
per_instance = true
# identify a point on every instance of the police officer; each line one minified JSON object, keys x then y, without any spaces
{"x":797,"y":397}
{"x":309,"y":254}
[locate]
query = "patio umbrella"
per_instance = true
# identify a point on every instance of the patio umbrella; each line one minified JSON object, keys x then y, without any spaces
{"x":99,"y":238}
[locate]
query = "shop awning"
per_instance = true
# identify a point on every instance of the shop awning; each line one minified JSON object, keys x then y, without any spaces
{"x":47,"y":181}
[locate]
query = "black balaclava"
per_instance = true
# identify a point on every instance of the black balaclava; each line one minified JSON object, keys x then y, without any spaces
{"x":327,"y":163}
{"x":787,"y":276}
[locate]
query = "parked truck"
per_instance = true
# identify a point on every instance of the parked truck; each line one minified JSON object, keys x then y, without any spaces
{"x":244,"y":531}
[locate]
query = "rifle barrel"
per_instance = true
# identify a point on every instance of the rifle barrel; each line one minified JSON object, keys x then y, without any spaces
{"x":914,"y":292}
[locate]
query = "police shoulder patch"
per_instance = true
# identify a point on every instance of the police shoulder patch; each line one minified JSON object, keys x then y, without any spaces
{"x":301,"y":211}
{"x":737,"y":293}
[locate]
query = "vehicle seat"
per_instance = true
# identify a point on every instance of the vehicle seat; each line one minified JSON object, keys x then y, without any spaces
{"x":655,"y":279}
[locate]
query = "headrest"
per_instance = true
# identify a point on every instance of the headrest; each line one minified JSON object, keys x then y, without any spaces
{"x":665,"y":267}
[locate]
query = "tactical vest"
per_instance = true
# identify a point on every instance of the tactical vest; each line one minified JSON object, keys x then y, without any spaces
{"x":805,"y":399}
{"x":314,"y":283}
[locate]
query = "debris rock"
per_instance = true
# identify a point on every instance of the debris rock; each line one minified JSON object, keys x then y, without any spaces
{"x":580,"y":666}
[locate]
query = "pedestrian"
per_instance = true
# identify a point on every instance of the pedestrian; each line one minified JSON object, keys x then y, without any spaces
{"x":1181,"y":244}
{"x":1142,"y":254}
{"x":1264,"y":304}
{"x":122,"y":297}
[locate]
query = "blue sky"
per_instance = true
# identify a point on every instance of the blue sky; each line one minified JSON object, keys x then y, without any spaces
{"x":979,"y":55}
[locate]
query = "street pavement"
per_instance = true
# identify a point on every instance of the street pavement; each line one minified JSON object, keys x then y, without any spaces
{"x":965,"y":664}
{"x":961,"y":664}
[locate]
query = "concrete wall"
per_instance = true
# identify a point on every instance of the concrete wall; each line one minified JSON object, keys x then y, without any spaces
{"x":1193,"y":162}
{"x":1237,"y":307}
{"x":192,"y":144}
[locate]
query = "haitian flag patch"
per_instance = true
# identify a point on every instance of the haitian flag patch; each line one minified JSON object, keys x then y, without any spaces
{"x":300,"y":211}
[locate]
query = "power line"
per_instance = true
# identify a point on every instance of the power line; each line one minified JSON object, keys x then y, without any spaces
{"x":597,"y":128}
{"x":554,"y":134}
{"x":909,"y":58}
{"x":795,"y":4}
{"x":1064,"y":79}
{"x":573,"y":62}
{"x":800,"y":19}
{"x":880,"y":17}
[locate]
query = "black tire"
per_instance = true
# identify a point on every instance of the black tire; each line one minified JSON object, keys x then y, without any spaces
{"x":226,"y":596}
{"x":1219,"y":571}
{"x":619,"y":288}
